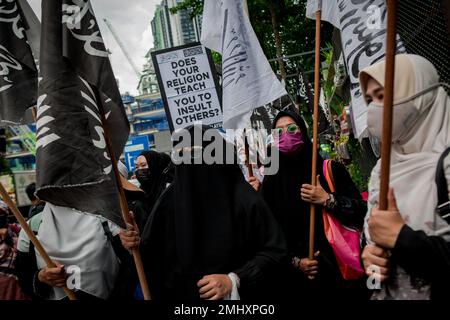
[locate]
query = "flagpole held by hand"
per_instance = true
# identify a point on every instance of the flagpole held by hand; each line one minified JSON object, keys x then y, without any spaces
{"x":123,"y":201}
{"x":31,"y":236}
{"x":386,"y":138}
{"x":388,"y":103}
{"x":315,"y":125}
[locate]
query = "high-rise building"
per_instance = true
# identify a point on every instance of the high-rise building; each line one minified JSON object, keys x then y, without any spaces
{"x":158,"y":41}
{"x":182,"y":27}
{"x":171,"y":30}
{"x":187,"y":28}
{"x":162,"y":27}
{"x":197,"y":21}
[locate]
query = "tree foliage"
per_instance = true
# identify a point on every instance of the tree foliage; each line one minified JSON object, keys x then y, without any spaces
{"x":195,"y":7}
{"x":296,"y":31}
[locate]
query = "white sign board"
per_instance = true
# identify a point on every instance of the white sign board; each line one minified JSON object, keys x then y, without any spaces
{"x":189,"y":86}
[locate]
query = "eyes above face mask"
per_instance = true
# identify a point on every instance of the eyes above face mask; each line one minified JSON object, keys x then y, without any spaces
{"x":404,"y":116}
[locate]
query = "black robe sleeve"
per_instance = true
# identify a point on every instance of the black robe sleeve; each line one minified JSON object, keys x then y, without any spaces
{"x":350,"y":209}
{"x":266,"y":239}
{"x":27,"y":273}
{"x":127,"y":279}
{"x":141,"y":213}
{"x":427,"y":257}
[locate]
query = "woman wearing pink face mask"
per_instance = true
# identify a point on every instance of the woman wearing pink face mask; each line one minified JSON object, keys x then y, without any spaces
{"x":289,"y":195}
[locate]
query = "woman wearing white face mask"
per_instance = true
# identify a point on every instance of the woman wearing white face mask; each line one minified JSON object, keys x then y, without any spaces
{"x":408,"y":244}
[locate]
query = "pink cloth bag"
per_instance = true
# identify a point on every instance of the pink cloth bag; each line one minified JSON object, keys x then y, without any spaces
{"x":344,"y":241}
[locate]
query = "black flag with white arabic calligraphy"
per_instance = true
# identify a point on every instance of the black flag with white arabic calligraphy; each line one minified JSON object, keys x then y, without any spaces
{"x":73,"y":166}
{"x":18,"y":73}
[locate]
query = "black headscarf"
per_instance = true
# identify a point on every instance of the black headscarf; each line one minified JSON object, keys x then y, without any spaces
{"x":161,"y":173}
{"x":210,"y":221}
{"x":282,"y":191}
{"x":282,"y":194}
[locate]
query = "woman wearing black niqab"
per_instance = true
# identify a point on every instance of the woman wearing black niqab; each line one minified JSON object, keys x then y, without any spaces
{"x":321,"y":276}
{"x":208,"y":226}
{"x":154,"y":171}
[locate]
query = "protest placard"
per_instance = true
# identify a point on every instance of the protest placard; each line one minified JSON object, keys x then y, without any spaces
{"x":189,"y":86}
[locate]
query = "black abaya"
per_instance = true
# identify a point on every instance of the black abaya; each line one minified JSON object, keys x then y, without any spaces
{"x":282,"y":194}
{"x":210,"y":221}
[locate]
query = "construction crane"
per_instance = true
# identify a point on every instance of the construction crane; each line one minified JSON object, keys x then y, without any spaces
{"x":122,"y":46}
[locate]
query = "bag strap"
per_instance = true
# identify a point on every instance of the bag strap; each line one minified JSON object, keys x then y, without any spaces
{"x":110,"y":238}
{"x":107,"y":231}
{"x":328,"y":172}
{"x":443,"y":207}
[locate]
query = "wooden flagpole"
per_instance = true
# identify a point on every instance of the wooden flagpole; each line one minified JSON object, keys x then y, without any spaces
{"x":34,"y":113}
{"x":247,"y":156}
{"x":123,"y":201}
{"x":315,"y":125}
{"x":388,"y":103}
{"x":31,"y":236}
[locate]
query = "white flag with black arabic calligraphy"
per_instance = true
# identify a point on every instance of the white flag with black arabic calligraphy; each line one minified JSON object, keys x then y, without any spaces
{"x":363,"y":35}
{"x":248,"y":81}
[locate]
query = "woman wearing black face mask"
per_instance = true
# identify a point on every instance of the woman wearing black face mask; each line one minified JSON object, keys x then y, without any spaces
{"x":154,"y":172}
{"x":289,"y":195}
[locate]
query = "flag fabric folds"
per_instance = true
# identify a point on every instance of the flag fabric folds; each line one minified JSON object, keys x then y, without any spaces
{"x":33,"y":29}
{"x":248,"y":81}
{"x":363,"y":34}
{"x":73,"y":166}
{"x":18,"y":72}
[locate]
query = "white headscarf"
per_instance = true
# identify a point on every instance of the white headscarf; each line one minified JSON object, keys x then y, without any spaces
{"x":414,"y":158}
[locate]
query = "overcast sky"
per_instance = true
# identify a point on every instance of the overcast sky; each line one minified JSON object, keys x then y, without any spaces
{"x":131,"y":20}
